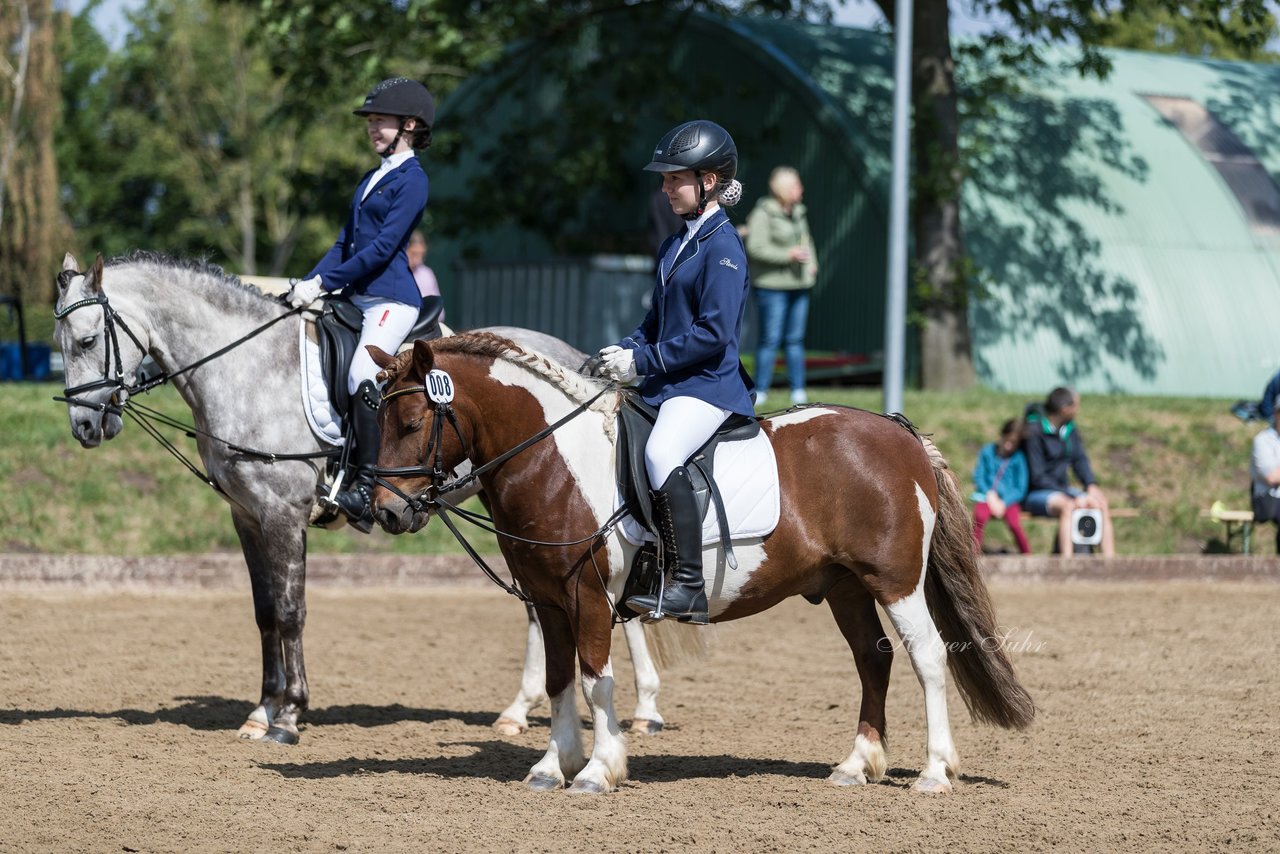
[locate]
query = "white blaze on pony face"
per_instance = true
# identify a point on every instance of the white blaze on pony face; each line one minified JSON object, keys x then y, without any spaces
{"x":584,"y":447}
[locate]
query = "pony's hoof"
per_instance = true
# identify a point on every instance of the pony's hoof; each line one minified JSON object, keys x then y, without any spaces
{"x":844,"y":778}
{"x":280,"y":735}
{"x":930,"y":786}
{"x":508,"y":727}
{"x":543,"y":783}
{"x":587,"y":787}
{"x":251,"y":731}
{"x":640,"y":726}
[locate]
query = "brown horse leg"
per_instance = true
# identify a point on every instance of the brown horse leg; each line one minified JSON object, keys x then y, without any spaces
{"x":855,"y":611}
{"x":564,"y":756}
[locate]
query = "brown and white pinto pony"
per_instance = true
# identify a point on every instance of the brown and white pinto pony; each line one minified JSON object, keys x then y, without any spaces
{"x":870,"y":513}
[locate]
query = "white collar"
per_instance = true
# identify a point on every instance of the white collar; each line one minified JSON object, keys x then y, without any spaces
{"x":692,"y":226}
{"x":389,"y":163}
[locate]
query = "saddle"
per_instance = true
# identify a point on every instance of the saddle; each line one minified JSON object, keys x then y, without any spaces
{"x":338,"y":333}
{"x":635,"y":422}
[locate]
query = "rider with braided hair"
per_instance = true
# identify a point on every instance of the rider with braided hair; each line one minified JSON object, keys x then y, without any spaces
{"x":369,"y":263}
{"x":687,"y":348}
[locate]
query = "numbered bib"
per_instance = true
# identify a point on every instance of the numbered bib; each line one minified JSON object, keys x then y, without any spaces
{"x":439,"y":387}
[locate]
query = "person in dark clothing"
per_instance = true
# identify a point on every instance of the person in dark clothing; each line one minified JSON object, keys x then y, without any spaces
{"x":1269,"y":394}
{"x":1053,"y":445}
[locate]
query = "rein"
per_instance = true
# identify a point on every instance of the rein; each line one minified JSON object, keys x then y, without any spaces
{"x":120,"y":402}
{"x":439,"y":391}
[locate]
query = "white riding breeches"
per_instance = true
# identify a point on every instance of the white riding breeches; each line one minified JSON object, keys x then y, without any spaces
{"x":386,"y":325}
{"x":684,"y":425}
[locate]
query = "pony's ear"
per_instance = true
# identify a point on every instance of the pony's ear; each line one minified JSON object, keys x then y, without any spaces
{"x":380,"y":357}
{"x":69,"y":263}
{"x":93,"y":282}
{"x":395,"y":367}
{"x":423,"y":359}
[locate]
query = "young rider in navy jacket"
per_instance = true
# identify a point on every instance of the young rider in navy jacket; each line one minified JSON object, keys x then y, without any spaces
{"x":368,"y":261}
{"x":687,"y":347}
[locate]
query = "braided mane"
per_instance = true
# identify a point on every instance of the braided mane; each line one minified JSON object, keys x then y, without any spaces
{"x":577,"y":387}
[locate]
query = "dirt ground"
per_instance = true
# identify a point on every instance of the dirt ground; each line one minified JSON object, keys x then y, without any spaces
{"x":1158,"y":730}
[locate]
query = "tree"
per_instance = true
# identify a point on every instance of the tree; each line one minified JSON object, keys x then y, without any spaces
{"x":181,"y":142}
{"x":1154,"y":25}
{"x":321,"y":50}
{"x":31,"y":227}
{"x":942,"y":272}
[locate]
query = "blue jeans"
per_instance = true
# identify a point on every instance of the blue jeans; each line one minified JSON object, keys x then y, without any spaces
{"x":783,"y":317}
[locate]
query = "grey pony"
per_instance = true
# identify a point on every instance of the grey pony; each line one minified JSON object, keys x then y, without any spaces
{"x":251,"y":397}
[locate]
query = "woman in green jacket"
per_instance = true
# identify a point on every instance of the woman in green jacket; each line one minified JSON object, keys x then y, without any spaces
{"x":783,"y":269}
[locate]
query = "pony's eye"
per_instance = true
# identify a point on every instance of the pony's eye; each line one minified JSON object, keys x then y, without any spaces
{"x":87,"y":342}
{"x":415,"y":425}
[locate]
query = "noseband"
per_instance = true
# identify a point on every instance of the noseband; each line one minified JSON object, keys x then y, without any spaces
{"x":120,"y":389}
{"x":439,"y":390}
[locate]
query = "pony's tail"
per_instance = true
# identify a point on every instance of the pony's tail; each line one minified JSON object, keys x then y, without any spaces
{"x":961,"y":608}
{"x":672,"y":644}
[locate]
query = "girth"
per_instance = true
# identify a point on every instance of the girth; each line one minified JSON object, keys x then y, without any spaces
{"x":635,"y":421}
{"x":338,"y":334}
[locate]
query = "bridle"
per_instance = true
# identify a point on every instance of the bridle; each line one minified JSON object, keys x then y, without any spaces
{"x":438,"y":388}
{"x":120,"y":402}
{"x":111,"y":356}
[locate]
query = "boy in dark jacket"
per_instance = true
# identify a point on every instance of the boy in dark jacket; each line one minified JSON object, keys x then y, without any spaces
{"x":1053,"y":445}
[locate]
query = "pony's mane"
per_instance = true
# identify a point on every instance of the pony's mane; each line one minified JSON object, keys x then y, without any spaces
{"x":579,"y":388}
{"x":198,"y":266}
{"x":576,"y":387}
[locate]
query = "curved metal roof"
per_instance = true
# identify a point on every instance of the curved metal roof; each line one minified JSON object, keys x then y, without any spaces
{"x":1118,"y":258}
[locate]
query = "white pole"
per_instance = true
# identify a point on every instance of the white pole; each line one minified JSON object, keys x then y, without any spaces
{"x":895,"y":314}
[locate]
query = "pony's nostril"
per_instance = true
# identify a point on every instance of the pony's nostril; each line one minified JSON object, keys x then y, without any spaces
{"x":84,"y":427}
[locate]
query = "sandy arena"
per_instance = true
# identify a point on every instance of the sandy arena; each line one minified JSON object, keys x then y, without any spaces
{"x":1158,"y":730}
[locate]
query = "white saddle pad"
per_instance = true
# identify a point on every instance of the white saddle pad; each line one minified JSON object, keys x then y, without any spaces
{"x":324,"y":420}
{"x":747,"y":474}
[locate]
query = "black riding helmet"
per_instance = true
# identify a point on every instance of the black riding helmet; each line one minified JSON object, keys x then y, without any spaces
{"x":408,"y":99}
{"x":699,"y":145}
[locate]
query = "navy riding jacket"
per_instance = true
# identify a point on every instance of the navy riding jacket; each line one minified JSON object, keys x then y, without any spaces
{"x":369,"y":256}
{"x":687,"y":345}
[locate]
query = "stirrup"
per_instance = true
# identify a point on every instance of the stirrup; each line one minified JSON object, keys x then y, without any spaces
{"x":363,"y":521}
{"x":699,"y":618}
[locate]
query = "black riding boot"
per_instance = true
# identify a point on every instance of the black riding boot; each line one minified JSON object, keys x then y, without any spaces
{"x":676,"y":512}
{"x":356,"y":499}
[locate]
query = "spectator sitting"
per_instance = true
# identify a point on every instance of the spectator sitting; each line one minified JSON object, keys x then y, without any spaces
{"x":1264,"y":468}
{"x":1000,"y":482}
{"x":1053,"y":443}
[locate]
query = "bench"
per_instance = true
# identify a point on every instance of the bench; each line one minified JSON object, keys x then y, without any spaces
{"x":1116,"y":513}
{"x":1232,"y":518}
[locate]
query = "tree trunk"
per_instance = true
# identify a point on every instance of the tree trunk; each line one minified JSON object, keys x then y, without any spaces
{"x":946,"y":358}
{"x":939,"y":291}
{"x":17,"y":78}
